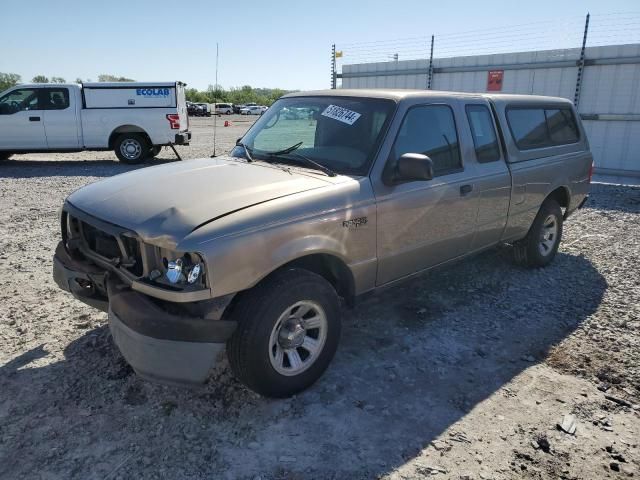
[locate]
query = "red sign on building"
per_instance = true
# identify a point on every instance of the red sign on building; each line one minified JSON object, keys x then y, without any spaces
{"x":494,"y":80}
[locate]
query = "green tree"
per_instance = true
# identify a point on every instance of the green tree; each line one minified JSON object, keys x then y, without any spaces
{"x":193,"y":95}
{"x":8,"y":80}
{"x":40,"y":79}
{"x":58,"y":80}
{"x":235,"y":95}
{"x":112,"y":78}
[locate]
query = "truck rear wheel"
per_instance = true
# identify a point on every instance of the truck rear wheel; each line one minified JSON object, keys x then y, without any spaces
{"x":288,"y":332}
{"x":132,"y":148}
{"x":541,"y":244}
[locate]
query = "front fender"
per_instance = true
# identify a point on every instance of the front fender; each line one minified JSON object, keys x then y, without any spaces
{"x":239,"y":263}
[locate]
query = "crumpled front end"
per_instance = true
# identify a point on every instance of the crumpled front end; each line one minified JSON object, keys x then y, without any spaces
{"x":167,"y":333}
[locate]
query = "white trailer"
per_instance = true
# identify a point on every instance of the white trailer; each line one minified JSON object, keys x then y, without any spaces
{"x":133,"y":119}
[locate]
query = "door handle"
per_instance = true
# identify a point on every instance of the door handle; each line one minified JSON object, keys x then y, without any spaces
{"x":466,"y":189}
{"x":34,"y":119}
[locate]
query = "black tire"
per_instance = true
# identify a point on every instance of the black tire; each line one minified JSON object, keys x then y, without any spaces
{"x":259,"y":310}
{"x":5,"y":155}
{"x":134,"y":140}
{"x":155,"y":150}
{"x":541,"y":244}
{"x":228,"y":112}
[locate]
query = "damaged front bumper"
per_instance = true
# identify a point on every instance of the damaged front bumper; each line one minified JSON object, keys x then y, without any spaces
{"x":162,"y":341}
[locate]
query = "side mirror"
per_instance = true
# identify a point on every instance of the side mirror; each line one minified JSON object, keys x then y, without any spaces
{"x":412,"y":167}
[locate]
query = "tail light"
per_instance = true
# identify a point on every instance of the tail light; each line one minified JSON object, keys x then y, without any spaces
{"x":174,"y":121}
{"x":590,"y":172}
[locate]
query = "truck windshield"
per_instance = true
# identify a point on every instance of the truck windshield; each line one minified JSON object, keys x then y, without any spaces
{"x":339,"y":133}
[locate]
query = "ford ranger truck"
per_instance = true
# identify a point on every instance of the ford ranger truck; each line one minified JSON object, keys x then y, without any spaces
{"x":254,"y":252}
{"x":133,"y":119}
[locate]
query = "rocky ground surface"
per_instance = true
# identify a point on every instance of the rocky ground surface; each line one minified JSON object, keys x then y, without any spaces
{"x":484,"y":370}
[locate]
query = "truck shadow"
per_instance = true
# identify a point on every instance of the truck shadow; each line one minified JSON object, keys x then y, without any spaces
{"x":18,"y":168}
{"x":413,"y":361}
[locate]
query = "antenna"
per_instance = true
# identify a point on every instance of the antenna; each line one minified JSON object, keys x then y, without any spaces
{"x":215,"y":115}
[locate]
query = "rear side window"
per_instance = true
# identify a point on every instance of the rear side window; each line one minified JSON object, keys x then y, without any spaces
{"x":562,"y":126}
{"x":56,"y":99}
{"x":540,"y":127}
{"x":430,"y":130}
{"x":484,"y":134}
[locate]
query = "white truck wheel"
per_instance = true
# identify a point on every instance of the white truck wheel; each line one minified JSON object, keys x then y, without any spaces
{"x":132,"y":148}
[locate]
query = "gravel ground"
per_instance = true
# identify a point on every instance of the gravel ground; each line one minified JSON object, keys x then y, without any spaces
{"x":462,"y":373}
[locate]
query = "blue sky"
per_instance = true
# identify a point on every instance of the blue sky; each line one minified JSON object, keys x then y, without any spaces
{"x":264,"y":44}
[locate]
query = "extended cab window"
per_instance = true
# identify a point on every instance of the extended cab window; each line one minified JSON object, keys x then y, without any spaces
{"x":56,"y":99}
{"x":484,"y":134}
{"x":542,"y":127}
{"x":430,"y":130}
{"x":19,"y":100}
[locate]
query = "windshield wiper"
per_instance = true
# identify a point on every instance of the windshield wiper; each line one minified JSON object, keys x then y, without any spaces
{"x":290,"y":149}
{"x":247,"y":151}
{"x":312,"y":163}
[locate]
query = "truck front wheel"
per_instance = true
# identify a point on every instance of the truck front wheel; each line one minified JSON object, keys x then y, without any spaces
{"x":288,"y":332}
{"x":541,"y":244}
{"x":132,"y":148}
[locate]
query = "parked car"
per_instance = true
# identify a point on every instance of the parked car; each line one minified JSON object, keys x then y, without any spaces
{"x":385,"y":184}
{"x":203,"y":109}
{"x":224,"y":108}
{"x":296,"y":113}
{"x":192,"y":109}
{"x":253,"y":110}
{"x":133,"y":119}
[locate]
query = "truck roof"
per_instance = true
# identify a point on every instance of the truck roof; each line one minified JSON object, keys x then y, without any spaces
{"x":398,"y":94}
{"x":130,"y":84}
{"x":102,"y":84}
{"x":52,"y":85}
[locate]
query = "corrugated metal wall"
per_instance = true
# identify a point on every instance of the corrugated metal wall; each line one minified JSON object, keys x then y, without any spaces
{"x":609,"y":99}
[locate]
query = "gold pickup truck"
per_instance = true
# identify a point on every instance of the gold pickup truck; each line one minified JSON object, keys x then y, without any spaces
{"x":329,"y":195}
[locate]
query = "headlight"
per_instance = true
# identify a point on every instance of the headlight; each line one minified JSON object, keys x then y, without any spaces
{"x":174,"y":271}
{"x":186,"y":269}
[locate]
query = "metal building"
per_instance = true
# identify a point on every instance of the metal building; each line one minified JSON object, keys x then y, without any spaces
{"x":608,"y":93}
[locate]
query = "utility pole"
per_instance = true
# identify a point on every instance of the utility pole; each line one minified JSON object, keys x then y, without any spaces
{"x":333,"y":68}
{"x":430,"y":74}
{"x":576,"y":97}
{"x":215,"y":117}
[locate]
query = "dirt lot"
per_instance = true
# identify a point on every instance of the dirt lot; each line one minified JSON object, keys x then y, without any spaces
{"x":463,"y":373}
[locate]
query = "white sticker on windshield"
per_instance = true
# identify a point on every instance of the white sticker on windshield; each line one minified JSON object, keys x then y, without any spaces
{"x":343,"y":115}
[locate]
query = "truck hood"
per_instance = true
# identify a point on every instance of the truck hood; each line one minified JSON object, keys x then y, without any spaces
{"x":165,"y":203}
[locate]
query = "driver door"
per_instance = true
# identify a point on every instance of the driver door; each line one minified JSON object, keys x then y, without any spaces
{"x":22,"y":120}
{"x":424,"y":223}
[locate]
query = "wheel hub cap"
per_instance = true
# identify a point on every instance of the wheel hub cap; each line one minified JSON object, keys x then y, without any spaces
{"x":131,"y":149}
{"x":292,"y":335}
{"x":548,"y":235}
{"x":297,"y":338}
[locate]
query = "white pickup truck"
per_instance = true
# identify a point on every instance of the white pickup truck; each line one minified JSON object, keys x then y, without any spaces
{"x":133,"y":119}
